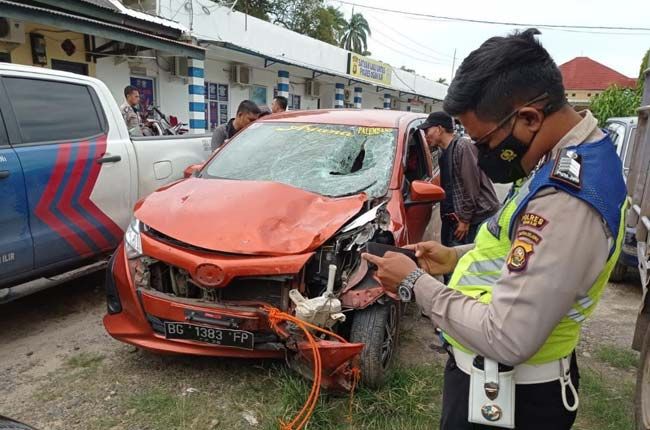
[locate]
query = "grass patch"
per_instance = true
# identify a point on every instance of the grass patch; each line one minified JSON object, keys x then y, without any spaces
{"x":411,"y":399}
{"x":85,"y":360}
{"x":617,"y":357}
{"x":605,"y":402}
{"x":159,"y":408}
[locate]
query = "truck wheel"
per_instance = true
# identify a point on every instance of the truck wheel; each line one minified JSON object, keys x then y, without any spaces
{"x":642,"y":398}
{"x":618,"y":273}
{"x":377,"y":327}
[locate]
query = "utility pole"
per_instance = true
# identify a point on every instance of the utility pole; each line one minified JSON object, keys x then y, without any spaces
{"x":453,"y":65}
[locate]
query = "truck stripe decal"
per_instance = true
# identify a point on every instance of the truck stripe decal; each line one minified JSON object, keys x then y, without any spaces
{"x":43,"y":209}
{"x":84,"y":200}
{"x":65,"y":204}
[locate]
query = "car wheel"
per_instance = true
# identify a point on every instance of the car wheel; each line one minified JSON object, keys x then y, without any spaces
{"x":618,"y":273}
{"x":377,"y":327}
{"x":642,"y":398}
{"x":9,"y":424}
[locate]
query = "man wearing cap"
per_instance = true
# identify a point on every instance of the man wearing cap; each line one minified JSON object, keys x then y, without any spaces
{"x":470,"y":197}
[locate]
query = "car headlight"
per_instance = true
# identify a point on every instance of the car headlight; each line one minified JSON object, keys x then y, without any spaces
{"x":132,"y":239}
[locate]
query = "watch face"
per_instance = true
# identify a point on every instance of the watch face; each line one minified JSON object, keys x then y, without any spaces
{"x":405,"y":293}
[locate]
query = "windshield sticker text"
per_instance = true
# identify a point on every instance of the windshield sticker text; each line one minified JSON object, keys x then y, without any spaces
{"x":3,"y":159}
{"x":363,"y":131}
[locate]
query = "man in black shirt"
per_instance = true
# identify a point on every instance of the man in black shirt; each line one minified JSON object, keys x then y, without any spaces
{"x":247,"y":112}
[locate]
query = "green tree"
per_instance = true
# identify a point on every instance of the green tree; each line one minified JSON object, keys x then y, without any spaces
{"x":355,"y":35}
{"x":328,"y":26}
{"x":257,"y":8}
{"x":406,"y":69}
{"x":442,"y":81}
{"x":645,"y":63}
{"x":309,"y":17}
{"x":615,"y":101}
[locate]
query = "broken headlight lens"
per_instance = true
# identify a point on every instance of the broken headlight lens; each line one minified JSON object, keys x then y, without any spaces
{"x":132,"y":239}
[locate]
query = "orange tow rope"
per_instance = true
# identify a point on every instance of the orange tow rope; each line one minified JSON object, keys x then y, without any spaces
{"x":276,"y":316}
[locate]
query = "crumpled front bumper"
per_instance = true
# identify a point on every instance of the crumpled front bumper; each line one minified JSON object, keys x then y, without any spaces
{"x":139,"y":320}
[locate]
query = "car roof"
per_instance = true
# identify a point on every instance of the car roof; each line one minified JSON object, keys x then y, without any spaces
{"x":359,"y":117}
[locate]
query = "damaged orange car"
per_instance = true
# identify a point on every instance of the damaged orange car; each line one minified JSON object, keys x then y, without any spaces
{"x":278,"y":219}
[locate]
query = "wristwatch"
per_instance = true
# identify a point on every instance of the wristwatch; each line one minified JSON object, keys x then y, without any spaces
{"x":405,"y":288}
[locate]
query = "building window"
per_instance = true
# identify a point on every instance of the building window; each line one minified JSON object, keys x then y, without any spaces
{"x":5,"y":57}
{"x":258,"y":95}
{"x":294,"y":102}
{"x":216,"y":104}
{"x":588,"y":94}
{"x":70,"y":66}
{"x":573,"y":94}
{"x":147,"y":89}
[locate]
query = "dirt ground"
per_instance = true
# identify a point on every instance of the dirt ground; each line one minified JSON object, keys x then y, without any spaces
{"x":49,"y":338}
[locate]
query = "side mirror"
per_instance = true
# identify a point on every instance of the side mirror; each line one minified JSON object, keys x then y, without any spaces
{"x":425,"y":192}
{"x":192,"y":170}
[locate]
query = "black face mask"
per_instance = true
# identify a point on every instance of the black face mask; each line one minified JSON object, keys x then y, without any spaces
{"x":503,"y":163}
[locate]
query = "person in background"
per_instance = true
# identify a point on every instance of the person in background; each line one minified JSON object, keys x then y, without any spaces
{"x":279,"y":104}
{"x":247,"y":112}
{"x":264,"y":111}
{"x":470,"y":197}
{"x":131,"y":117}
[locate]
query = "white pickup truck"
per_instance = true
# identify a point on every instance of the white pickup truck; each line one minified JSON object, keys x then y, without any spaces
{"x":70,"y":174}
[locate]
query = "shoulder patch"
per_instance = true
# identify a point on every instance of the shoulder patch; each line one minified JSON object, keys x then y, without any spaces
{"x":533,"y":220}
{"x":519,"y":255}
{"x":568,"y":168}
{"x":527,"y":234}
{"x":493,"y":225}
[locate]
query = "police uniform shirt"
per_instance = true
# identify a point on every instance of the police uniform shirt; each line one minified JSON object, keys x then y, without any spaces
{"x":560,"y":265}
{"x":131,"y":119}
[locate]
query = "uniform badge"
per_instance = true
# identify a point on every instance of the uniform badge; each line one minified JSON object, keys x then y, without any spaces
{"x":567,"y":168}
{"x":533,"y":220}
{"x":519,"y":254}
{"x":529,"y":235}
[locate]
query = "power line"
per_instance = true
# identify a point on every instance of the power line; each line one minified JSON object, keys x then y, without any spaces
{"x":410,"y":48}
{"x":480,"y":21}
{"x":415,"y":42}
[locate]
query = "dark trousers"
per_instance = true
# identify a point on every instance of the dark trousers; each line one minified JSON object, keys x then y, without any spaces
{"x":537,"y":406}
{"x":447,"y":238}
{"x":448,"y":228}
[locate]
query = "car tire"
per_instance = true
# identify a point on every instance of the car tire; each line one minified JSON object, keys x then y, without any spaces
{"x":642,"y":397}
{"x":377,"y":327}
{"x":9,"y":424}
{"x":618,"y":273}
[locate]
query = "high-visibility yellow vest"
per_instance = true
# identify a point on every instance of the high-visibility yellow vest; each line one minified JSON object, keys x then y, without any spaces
{"x":479,"y":269}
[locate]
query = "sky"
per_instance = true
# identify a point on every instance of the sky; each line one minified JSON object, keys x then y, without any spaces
{"x":428,"y":45}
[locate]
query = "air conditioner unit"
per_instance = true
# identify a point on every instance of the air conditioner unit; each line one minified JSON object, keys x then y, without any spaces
{"x":312,"y":88}
{"x":240,"y":74}
{"x":11,"y":31}
{"x":179,"y":68}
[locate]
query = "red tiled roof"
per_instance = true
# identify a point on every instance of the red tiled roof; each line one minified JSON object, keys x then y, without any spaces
{"x":583,"y":73}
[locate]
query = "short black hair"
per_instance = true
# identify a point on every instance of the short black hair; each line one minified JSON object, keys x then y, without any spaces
{"x":282,"y":101}
{"x":129,"y":89}
{"x":248,"y":106}
{"x":502,"y":74}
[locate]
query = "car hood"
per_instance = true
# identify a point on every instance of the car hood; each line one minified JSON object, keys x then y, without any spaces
{"x":246,"y":217}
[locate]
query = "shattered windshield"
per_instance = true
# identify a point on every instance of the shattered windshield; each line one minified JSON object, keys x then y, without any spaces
{"x":331,"y":160}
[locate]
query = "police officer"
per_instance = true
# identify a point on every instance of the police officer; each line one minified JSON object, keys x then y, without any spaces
{"x":131,"y":117}
{"x":520,"y":294}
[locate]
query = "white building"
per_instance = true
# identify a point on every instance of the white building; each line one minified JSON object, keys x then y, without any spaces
{"x":247,"y":58}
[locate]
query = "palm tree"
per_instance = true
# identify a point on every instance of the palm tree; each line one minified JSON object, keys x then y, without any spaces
{"x":355,"y":34}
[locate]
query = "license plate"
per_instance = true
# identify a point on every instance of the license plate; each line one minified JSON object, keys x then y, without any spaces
{"x":216,"y":336}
